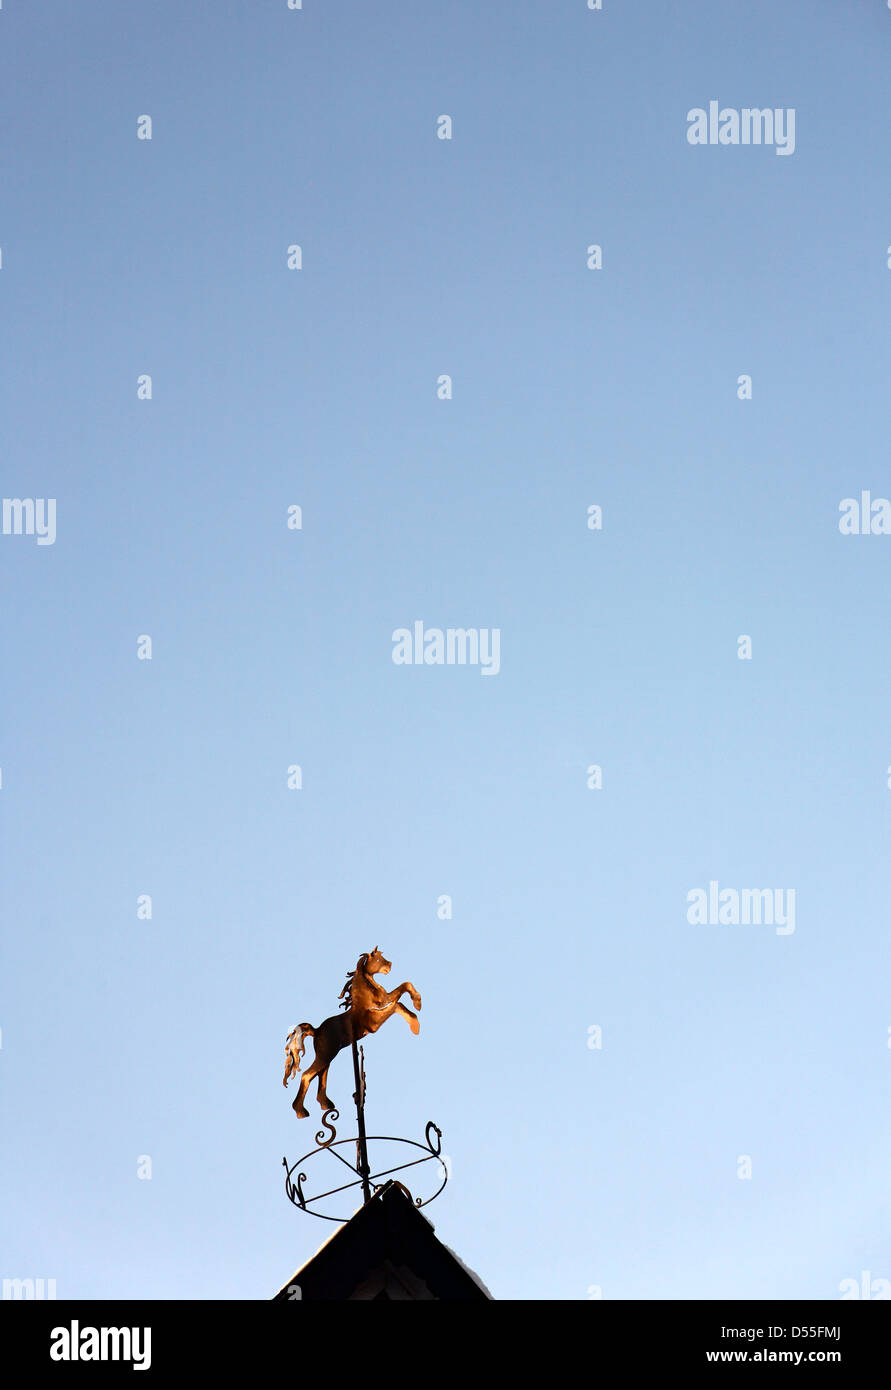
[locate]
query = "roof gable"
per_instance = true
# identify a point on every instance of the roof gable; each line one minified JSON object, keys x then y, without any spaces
{"x":387,"y":1250}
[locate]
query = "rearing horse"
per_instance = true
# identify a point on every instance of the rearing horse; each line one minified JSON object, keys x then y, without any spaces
{"x":368,"y":1005}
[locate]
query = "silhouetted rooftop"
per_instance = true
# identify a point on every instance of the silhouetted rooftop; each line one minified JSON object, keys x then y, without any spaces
{"x":388,"y":1250}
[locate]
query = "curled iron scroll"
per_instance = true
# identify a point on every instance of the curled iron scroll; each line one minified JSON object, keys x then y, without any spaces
{"x":328,"y":1121}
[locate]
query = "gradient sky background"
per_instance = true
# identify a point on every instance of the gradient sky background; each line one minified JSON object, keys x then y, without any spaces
{"x":571,"y":1167}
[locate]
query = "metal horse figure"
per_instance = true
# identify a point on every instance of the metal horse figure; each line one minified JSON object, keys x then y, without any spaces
{"x":368,"y":1005}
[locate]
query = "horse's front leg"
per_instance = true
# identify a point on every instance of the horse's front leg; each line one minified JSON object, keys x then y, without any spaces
{"x":406,"y":988}
{"x":411,"y":1019}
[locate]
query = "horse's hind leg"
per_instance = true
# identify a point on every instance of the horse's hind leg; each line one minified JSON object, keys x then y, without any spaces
{"x":324,"y":1099}
{"x":299,"y":1108}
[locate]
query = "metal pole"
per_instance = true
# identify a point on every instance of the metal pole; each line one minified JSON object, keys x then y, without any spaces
{"x":361,"y":1146}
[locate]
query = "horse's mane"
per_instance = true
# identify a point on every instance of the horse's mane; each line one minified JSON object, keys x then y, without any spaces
{"x":346,"y":994}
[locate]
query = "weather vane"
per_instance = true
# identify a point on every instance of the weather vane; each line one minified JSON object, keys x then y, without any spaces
{"x":367,"y":1007}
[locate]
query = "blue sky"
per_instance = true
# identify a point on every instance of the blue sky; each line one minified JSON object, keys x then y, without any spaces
{"x":572,"y":1167}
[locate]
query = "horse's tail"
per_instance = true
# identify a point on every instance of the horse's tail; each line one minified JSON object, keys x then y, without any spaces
{"x":294,"y":1049}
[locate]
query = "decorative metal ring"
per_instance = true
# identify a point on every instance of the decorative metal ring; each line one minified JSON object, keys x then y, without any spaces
{"x":431,"y":1149}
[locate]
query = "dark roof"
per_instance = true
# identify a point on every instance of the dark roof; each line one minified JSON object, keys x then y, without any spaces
{"x":388,"y":1250}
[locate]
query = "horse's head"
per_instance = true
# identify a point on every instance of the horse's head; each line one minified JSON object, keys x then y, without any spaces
{"x":376,"y":963}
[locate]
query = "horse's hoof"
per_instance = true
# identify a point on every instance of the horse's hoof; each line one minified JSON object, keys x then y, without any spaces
{"x":299,"y":1111}
{"x":414,"y":1025}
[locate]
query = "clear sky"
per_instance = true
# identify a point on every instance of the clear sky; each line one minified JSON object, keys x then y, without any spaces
{"x":572,"y":1166}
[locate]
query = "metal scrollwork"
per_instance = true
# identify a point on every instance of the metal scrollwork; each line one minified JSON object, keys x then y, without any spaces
{"x":328,"y":1121}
